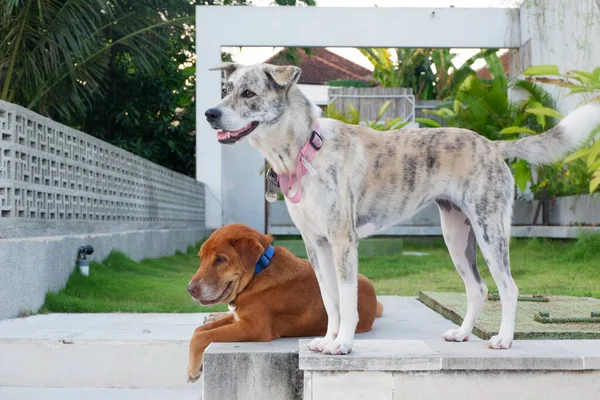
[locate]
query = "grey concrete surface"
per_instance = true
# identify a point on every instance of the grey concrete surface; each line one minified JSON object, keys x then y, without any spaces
{"x":374,"y":355}
{"x":259,"y":372}
{"x":30,"y":267}
{"x":97,"y":350}
{"x":433,"y":355}
{"x":15,"y":393}
{"x":148,"y":327}
{"x":464,"y":385}
{"x":151,"y":350}
{"x":403,"y":318}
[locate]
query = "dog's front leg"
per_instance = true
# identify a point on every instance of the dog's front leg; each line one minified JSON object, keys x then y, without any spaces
{"x":344,"y":244}
{"x":196,"y":350}
{"x":321,"y":257}
{"x":241,"y":331}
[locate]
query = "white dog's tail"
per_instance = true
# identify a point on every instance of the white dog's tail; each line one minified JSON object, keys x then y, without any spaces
{"x":554,"y":144}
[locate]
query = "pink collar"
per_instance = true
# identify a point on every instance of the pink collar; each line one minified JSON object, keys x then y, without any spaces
{"x":288,"y":180}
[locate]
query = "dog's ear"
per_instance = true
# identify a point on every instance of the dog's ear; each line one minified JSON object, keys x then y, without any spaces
{"x":228,"y":67}
{"x":249,"y":250}
{"x":284,"y":76}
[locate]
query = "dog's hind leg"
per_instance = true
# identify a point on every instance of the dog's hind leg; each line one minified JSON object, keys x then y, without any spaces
{"x":321,"y":257}
{"x":460,"y":240}
{"x":493,"y":236}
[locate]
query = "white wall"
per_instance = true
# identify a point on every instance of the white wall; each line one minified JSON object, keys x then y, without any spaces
{"x":565,"y":33}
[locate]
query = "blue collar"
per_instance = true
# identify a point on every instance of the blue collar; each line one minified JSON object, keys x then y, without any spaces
{"x":264,"y":260}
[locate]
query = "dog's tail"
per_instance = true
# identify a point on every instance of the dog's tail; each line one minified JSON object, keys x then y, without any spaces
{"x":379,"y":310}
{"x":554,"y":144}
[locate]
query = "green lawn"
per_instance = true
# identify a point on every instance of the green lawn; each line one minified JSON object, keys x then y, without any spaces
{"x":119,"y":284}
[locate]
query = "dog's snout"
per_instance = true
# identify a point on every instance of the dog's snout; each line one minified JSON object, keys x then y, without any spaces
{"x":193,"y":290}
{"x":212,"y":114}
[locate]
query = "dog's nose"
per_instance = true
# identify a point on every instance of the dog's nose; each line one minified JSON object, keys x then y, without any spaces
{"x":212,"y":114}
{"x":193,"y":290}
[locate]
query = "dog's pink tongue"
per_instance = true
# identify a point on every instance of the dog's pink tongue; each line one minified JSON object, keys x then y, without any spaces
{"x":222,"y":135}
{"x":226,"y":134}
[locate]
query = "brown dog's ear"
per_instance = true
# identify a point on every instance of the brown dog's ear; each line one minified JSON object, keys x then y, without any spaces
{"x":284,"y":76}
{"x":249,"y":250}
{"x":228,"y":67}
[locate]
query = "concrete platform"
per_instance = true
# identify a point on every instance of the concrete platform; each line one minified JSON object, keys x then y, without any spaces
{"x":131,"y":356}
{"x":97,"y":350}
{"x":433,"y":369}
{"x":151,"y":350}
{"x":226,"y":372}
{"x":16,"y":393}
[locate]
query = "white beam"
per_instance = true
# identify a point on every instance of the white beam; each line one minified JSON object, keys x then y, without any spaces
{"x":360,"y":27}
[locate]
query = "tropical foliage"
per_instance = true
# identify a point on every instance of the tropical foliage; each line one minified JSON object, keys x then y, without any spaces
{"x":587,"y":85}
{"x":121,"y":70}
{"x":55,"y":54}
{"x":484,"y":107}
{"x":429,"y":72}
{"x":352,"y":116}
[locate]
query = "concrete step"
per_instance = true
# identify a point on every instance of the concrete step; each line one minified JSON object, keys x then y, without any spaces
{"x":434,"y":369}
{"x":17,"y":393}
{"x":97,"y":350}
{"x":270,"y":370}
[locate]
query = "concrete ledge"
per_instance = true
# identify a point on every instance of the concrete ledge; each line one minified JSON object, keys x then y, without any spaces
{"x":375,"y":355}
{"x":248,"y":369}
{"x":557,"y":232}
{"x":433,"y":355}
{"x":98,"y":350}
{"x":252,"y":371}
{"x":34,"y":266}
{"x":12,"y":393}
{"x":464,"y":385}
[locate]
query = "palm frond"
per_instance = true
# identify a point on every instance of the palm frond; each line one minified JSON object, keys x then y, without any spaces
{"x":55,"y":54}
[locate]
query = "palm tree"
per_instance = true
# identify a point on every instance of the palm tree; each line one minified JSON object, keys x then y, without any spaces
{"x":429,"y":72}
{"x":54,"y":54}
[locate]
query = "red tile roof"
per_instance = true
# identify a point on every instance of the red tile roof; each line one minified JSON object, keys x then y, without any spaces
{"x":484,"y":73}
{"x":323,"y":66}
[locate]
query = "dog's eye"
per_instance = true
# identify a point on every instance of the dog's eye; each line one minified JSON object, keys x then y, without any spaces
{"x":248,"y":94}
{"x":220,"y":260}
{"x":224,"y":91}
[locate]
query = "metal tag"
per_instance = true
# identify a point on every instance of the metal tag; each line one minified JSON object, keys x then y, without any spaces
{"x":272,"y":186}
{"x":271,"y":196}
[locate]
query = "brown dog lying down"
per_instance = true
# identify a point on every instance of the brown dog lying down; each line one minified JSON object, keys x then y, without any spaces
{"x":268,"y":300}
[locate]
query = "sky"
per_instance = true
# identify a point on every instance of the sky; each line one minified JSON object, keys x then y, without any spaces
{"x":253,"y":55}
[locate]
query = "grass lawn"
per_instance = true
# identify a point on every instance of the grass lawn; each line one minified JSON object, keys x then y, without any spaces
{"x":542,"y":266}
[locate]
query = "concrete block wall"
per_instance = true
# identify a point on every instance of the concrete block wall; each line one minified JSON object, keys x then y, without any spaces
{"x":57,"y":180}
{"x":61,"y":188}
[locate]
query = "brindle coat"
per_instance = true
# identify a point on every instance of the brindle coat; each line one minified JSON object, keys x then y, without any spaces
{"x":367,"y":181}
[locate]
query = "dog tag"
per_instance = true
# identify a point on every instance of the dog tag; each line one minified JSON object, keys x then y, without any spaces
{"x":272,"y":186}
{"x":271,"y":196}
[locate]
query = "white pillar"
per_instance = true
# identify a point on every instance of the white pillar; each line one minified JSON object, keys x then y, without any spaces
{"x":208,"y":150}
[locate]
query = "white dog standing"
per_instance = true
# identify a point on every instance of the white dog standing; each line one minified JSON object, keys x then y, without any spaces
{"x":345,"y":182}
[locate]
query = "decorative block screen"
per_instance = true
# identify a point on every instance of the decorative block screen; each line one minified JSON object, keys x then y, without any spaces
{"x":55,"y":179}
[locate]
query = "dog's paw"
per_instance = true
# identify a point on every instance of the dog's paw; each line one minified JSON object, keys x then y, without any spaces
{"x":318,"y":344}
{"x":500,"y":342}
{"x":455,"y":335}
{"x":214,"y":316}
{"x":337,"y":348}
{"x":194,"y":374}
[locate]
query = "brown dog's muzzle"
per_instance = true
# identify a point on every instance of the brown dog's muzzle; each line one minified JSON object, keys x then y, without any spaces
{"x":193,"y":290}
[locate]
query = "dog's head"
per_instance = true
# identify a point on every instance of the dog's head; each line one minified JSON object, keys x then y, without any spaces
{"x":255,"y":98}
{"x":227,"y":262}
